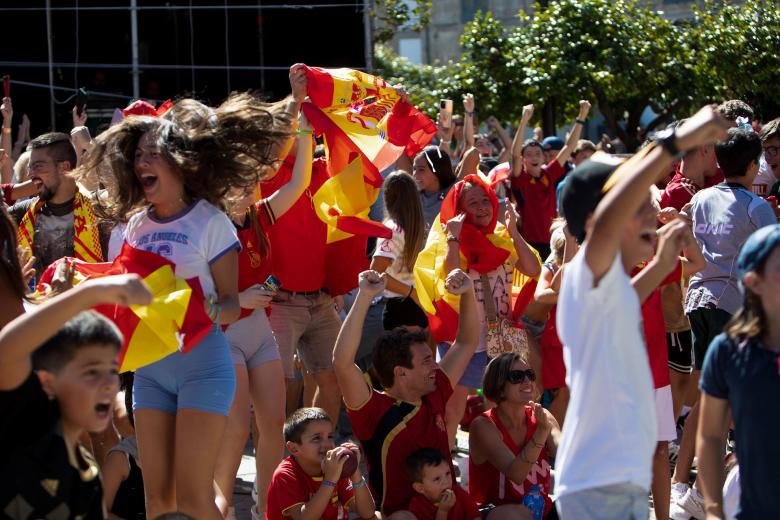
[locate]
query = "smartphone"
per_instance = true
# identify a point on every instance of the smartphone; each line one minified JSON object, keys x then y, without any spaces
{"x":6,"y":86}
{"x":81,"y":100}
{"x":271,"y":284}
{"x":445,"y":107}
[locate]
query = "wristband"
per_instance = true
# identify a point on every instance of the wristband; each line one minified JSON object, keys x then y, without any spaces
{"x":304,"y":132}
{"x":328,"y":483}
{"x":470,"y":114}
{"x":358,"y":485}
{"x":452,"y":238}
{"x":444,"y":142}
{"x":579,"y":121}
{"x":7,"y":130}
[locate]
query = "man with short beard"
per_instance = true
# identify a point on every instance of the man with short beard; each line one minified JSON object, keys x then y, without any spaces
{"x":59,"y":221}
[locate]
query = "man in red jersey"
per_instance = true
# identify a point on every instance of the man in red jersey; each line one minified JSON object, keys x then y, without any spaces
{"x":409,"y":414}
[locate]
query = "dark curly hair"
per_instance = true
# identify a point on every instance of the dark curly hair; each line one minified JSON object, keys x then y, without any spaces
{"x":213,"y":151}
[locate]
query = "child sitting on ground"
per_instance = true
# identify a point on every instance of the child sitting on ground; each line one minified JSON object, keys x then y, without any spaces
{"x":439,"y":498}
{"x":308,"y":483}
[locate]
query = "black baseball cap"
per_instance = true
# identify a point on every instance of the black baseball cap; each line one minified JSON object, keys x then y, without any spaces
{"x":584,"y":188}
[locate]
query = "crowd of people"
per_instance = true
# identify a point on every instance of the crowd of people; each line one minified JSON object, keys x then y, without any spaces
{"x":599,"y":324}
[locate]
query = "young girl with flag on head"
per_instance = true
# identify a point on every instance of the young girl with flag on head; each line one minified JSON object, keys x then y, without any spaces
{"x":255,"y":353}
{"x":466,"y":235}
{"x":173,"y":174}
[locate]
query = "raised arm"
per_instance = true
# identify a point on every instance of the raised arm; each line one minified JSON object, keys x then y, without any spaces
{"x":495,"y":124}
{"x":710,"y":438}
{"x":284,"y":198}
{"x":468,"y":164}
{"x":353,"y":386}
{"x":672,"y":240}
{"x":517,"y":142}
{"x":468,"y":120}
{"x":631,"y":190}
{"x":527,"y":262}
{"x":574,"y":134}
{"x":6,"y":140}
{"x":27,"y":332}
{"x":458,"y":356}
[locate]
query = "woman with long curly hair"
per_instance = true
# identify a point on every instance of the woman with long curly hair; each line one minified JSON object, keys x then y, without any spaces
{"x":172,"y":177}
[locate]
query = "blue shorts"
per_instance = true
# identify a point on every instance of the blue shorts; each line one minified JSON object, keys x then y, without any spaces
{"x":472,"y":377}
{"x":203,"y":379}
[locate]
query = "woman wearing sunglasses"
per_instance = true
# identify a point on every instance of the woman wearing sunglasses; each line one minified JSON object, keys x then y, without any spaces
{"x":512,"y":444}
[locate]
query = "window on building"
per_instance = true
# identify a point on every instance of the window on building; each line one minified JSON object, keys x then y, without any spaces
{"x":411,"y":49}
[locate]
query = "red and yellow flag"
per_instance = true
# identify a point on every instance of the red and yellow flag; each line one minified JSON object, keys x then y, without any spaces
{"x":86,"y":238}
{"x":175,"y":320}
{"x":481,"y":249}
{"x":366,"y":128}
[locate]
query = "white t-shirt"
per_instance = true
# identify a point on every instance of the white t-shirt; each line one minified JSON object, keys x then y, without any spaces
{"x":393,"y":248}
{"x":501,"y":286}
{"x":193,"y":240}
{"x":610,"y":432}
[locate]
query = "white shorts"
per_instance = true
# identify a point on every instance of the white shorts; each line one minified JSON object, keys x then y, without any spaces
{"x":664,"y":412}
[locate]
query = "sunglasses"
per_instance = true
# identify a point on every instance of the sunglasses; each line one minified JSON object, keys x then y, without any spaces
{"x":518,"y":376}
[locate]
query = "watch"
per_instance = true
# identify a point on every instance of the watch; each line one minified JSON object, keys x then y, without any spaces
{"x":666,"y":139}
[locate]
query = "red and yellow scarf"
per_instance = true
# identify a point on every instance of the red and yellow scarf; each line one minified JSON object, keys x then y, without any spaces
{"x":482,"y":249}
{"x":86,"y":239}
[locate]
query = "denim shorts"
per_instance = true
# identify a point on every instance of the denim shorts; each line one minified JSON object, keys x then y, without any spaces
{"x":472,"y":377}
{"x":203,"y":379}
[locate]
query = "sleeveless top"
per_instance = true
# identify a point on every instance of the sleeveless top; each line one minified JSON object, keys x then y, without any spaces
{"x":487,"y":485}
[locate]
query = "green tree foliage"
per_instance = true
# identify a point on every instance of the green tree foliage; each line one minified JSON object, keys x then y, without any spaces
{"x":392,"y":15}
{"x":738,"y":47}
{"x":619,"y":54}
{"x":616,"y":53}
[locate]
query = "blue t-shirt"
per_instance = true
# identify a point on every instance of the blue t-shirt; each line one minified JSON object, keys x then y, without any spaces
{"x":748,"y":375}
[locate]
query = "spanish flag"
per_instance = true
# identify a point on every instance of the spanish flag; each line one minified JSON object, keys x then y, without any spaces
{"x":175,"y":320}
{"x":482,"y":249}
{"x":366,"y":128}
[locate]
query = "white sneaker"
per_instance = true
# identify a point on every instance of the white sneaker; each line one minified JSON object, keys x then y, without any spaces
{"x":679,"y":489}
{"x":678,"y":513}
{"x":693,"y":503}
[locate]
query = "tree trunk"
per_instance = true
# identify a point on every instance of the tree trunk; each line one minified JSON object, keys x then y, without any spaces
{"x":548,"y":118}
{"x":628,"y":138}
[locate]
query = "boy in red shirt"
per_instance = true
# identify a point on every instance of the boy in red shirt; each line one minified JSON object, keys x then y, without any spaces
{"x":437,"y":498}
{"x":534,"y":180}
{"x":308,"y":483}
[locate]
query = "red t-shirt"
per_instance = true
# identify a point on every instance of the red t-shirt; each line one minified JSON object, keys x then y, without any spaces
{"x":655,"y":329}
{"x":487,"y":485}
{"x":253,"y":267}
{"x":678,"y":192}
{"x":291,"y":486}
{"x":7,"y":193}
{"x":553,"y":367}
{"x":391,"y":430}
{"x":464,"y":509}
{"x":538,"y":201}
{"x":299,"y":237}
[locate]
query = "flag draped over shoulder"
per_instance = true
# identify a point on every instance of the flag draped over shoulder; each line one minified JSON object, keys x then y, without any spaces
{"x":175,"y":320}
{"x":481,"y":249}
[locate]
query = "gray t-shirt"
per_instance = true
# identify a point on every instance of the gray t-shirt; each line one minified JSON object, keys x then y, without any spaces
{"x":724,"y":216}
{"x":53,"y":238}
{"x":431,"y":205}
